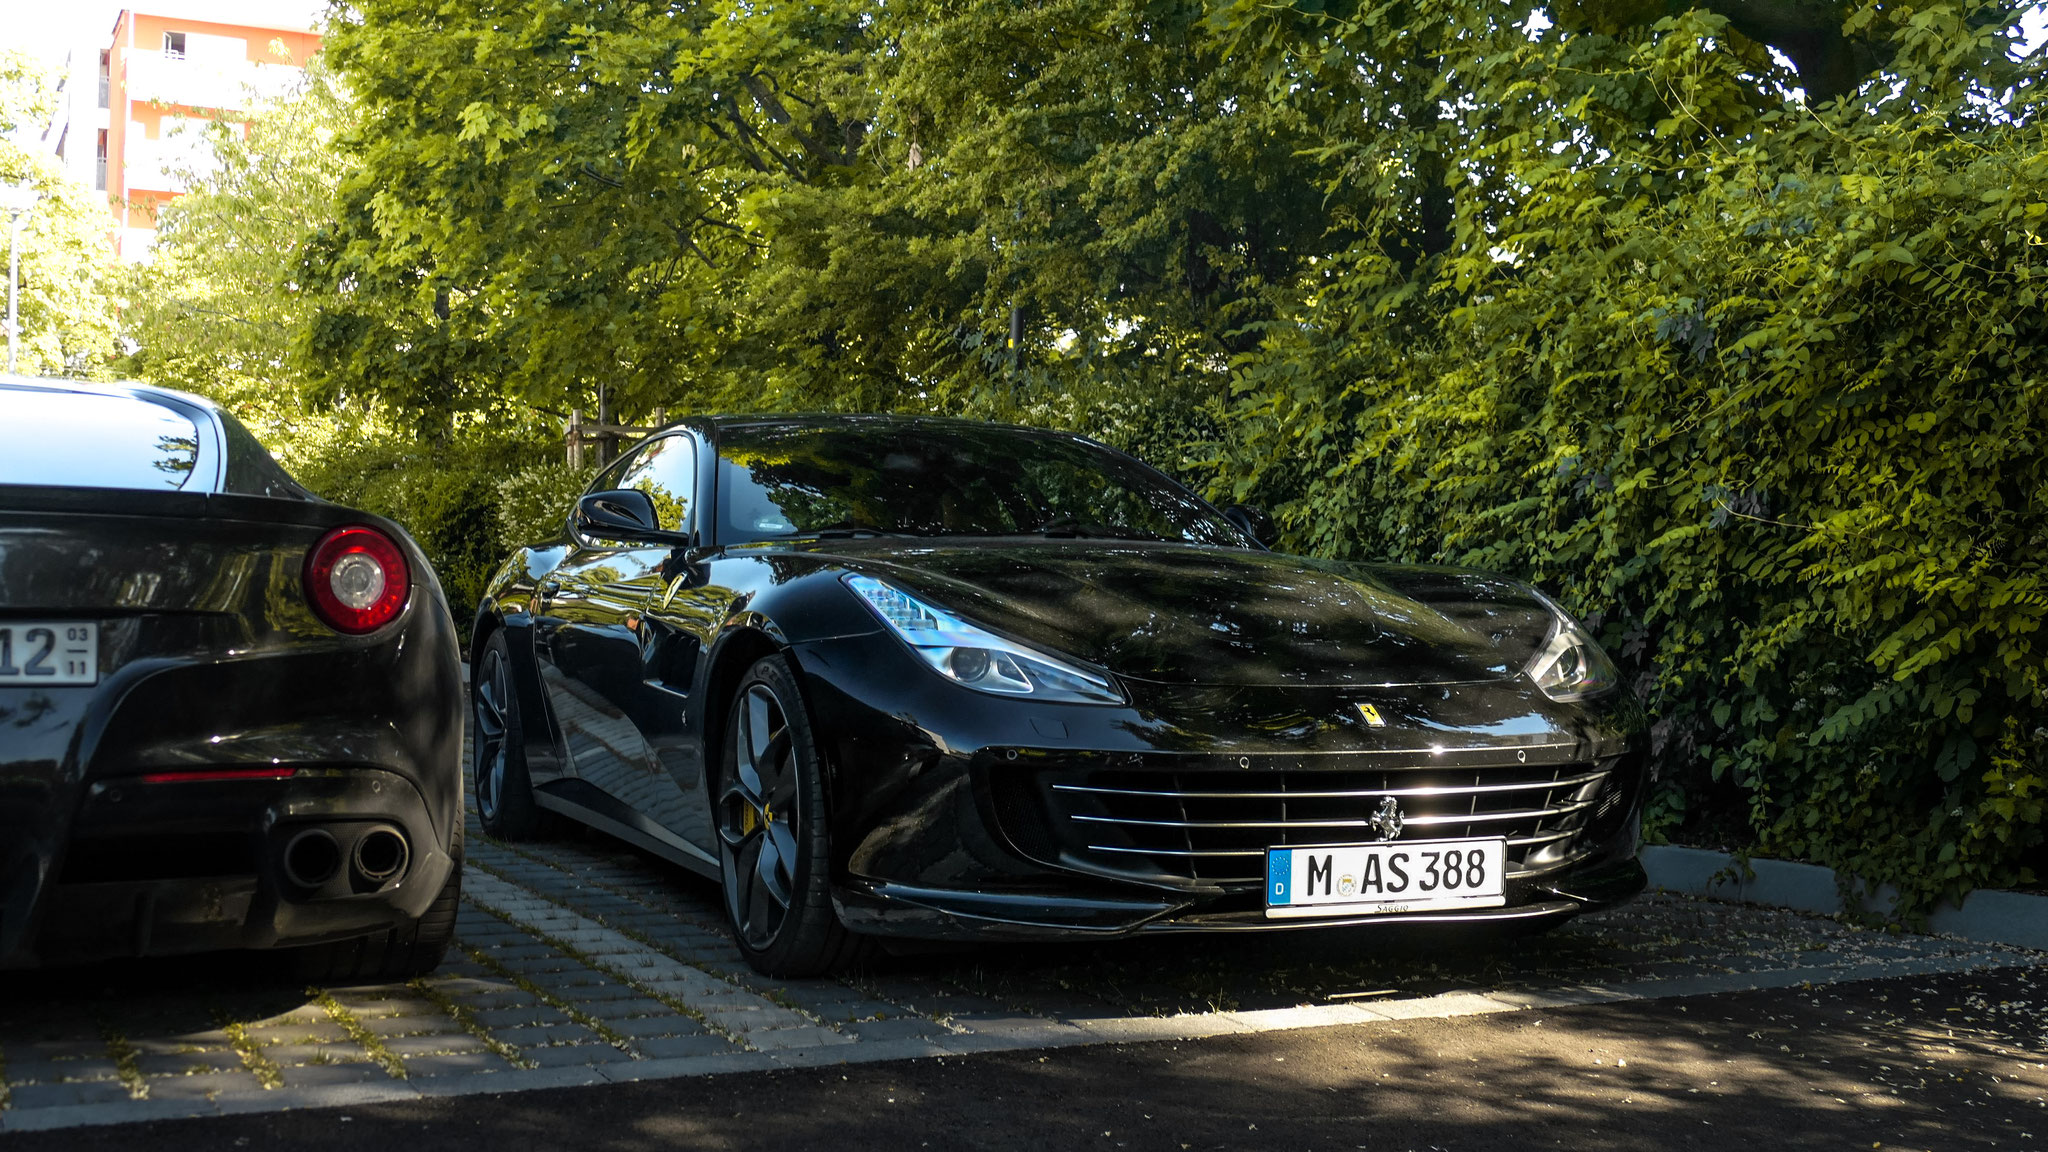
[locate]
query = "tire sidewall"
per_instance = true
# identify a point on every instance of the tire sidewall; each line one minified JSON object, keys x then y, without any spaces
{"x":810,"y":928}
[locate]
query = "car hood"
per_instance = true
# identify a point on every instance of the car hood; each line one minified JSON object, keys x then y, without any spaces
{"x":1181,"y":614}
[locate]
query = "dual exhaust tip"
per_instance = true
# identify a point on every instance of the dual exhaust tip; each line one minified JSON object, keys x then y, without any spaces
{"x":313,"y":857}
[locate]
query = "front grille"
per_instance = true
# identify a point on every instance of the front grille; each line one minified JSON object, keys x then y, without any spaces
{"x":1212,"y":826}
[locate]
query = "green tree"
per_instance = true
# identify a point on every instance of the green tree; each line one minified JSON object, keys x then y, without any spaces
{"x":67,"y":304}
{"x":220,"y":304}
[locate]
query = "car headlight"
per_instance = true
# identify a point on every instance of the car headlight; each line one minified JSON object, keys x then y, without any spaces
{"x":977,"y":659}
{"x":1571,"y":665}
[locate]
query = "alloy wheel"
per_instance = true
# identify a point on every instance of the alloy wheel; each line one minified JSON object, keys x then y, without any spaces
{"x":758,"y":817}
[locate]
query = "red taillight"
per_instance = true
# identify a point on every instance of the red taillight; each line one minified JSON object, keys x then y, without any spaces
{"x":357,"y":579}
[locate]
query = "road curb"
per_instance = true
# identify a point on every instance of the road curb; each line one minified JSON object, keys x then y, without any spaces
{"x":1988,"y":916}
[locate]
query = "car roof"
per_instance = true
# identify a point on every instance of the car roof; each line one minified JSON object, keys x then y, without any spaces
{"x":128,"y":388}
{"x":834,"y":420}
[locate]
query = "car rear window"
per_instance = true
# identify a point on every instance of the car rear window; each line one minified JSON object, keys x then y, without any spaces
{"x":87,"y":440}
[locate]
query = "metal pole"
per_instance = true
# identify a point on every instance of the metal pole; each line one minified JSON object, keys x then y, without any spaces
{"x":13,"y":280}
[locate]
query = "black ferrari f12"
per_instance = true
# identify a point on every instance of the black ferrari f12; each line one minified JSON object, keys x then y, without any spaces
{"x":887,"y":676}
{"x":230,"y":712}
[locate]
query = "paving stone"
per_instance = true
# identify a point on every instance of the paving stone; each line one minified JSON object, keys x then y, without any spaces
{"x":454,"y":1064}
{"x":290,"y":1055}
{"x":575,"y":1054}
{"x":544,"y":1035}
{"x":61,"y":1071}
{"x":534,"y":1012}
{"x":627,"y":1006}
{"x":900,"y":1028}
{"x":668,"y":1024}
{"x":200,"y":1086}
{"x":409,"y":1025}
{"x":189,"y":1062}
{"x":310,"y":1075}
{"x":29,"y":1096}
{"x":700,"y":1044}
{"x":435,"y":1044}
{"x":814,"y":1037}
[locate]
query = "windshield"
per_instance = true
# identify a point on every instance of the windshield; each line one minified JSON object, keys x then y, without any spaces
{"x":928,"y":479}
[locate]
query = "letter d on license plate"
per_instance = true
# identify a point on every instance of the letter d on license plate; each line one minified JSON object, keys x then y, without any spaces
{"x":1354,"y":879}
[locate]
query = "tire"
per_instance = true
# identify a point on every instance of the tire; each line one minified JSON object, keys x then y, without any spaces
{"x":504,"y":792}
{"x":773,"y":843}
{"x":401,"y":953}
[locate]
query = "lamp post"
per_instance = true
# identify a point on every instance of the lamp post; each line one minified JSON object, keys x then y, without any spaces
{"x":16,"y":200}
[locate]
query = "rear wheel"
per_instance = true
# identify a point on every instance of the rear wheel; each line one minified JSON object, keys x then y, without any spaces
{"x":772,"y":837}
{"x":504,"y":793}
{"x":402,"y":953}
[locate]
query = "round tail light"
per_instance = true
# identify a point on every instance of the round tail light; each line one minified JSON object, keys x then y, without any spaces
{"x":357,"y":579}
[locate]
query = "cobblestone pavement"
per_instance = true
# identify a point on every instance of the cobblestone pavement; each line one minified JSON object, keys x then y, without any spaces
{"x":583,"y":961}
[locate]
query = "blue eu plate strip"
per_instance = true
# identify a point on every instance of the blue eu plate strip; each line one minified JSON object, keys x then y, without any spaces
{"x":1279,"y":870}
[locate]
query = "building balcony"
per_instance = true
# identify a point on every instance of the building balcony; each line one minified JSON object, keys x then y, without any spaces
{"x":227,"y":85}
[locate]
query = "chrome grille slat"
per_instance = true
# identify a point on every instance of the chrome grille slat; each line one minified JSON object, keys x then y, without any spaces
{"x":1206,"y":823}
{"x":1260,"y":853}
{"x":1412,"y":821}
{"x":1349,"y":794}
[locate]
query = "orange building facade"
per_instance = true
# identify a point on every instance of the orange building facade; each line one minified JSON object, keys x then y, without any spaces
{"x":165,"y":77}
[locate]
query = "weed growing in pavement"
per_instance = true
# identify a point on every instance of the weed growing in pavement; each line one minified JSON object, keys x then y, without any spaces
{"x":262,"y":1067}
{"x":603,"y":1031}
{"x":373,"y":1044}
{"x":664,"y":998}
{"x":122,"y":1053}
{"x":461,"y":1014}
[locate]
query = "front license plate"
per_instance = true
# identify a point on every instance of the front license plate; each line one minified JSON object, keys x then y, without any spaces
{"x":1411,"y":876}
{"x":48,"y":652}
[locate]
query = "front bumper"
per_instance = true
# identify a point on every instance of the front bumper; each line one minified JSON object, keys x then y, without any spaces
{"x":1070,"y":912}
{"x":957,"y":818}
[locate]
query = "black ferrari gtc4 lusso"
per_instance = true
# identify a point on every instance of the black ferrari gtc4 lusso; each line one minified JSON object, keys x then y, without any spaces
{"x":889,"y":676}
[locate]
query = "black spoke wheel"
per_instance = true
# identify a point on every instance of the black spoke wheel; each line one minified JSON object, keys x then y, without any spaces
{"x":772,"y":840}
{"x":504,"y":794}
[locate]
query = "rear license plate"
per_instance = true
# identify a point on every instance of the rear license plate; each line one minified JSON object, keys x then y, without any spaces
{"x":1368,"y":879}
{"x":36,"y":652}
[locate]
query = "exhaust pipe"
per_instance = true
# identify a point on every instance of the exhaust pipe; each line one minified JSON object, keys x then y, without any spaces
{"x":380,"y":855}
{"x":311,"y":858}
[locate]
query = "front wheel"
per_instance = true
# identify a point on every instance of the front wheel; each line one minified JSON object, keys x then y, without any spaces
{"x":773,"y":846}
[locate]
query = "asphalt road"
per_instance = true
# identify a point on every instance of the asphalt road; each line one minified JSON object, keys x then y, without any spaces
{"x":1943,"y":1061}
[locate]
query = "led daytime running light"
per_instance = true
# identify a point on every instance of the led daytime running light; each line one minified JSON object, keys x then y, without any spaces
{"x":975,"y":658}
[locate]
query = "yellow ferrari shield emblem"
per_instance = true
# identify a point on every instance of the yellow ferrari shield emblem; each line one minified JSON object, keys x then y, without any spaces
{"x":1372,"y":715}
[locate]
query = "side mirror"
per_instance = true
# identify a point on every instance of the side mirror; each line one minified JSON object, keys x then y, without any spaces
{"x":1254,"y":521}
{"x":619,"y":514}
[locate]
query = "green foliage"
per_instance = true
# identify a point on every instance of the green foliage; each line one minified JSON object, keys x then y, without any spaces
{"x":219,"y":304}
{"x":1759,"y":387}
{"x":533,"y":502}
{"x":67,"y":302}
{"x":1751,"y":379}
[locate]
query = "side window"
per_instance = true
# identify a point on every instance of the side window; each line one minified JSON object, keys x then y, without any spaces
{"x":665,"y":469}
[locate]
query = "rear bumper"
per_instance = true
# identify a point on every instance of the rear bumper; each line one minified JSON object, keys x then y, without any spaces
{"x":161,"y":868}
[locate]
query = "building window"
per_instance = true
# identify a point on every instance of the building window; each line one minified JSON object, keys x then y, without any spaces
{"x":100,"y":164}
{"x":174,"y":45}
{"x":105,"y":77}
